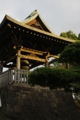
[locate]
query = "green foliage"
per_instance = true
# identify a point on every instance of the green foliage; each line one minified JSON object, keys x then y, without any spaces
{"x":39,"y":76}
{"x":53,"y":77}
{"x":71,"y":54}
{"x":69,"y":34}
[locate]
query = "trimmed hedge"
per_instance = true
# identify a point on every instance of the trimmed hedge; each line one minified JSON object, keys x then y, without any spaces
{"x":53,"y":77}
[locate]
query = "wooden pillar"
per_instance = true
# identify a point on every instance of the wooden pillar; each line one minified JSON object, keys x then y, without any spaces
{"x":18,"y":60}
{"x":46,"y":63}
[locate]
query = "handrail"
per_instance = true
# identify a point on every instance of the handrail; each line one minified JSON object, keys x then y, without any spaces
{"x":14,"y":76}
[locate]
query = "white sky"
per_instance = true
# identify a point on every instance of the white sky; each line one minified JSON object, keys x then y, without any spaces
{"x":59,"y":15}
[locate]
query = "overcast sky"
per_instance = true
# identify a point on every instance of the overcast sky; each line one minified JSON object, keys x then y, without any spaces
{"x":59,"y":15}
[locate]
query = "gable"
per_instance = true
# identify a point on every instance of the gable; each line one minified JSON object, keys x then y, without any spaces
{"x":35,"y":20}
{"x":35,"y":23}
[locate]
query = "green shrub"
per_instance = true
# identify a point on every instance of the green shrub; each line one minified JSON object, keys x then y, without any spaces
{"x":54,"y":77}
{"x":39,"y":76}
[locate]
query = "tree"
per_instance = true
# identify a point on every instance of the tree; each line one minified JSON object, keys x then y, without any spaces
{"x":69,"y":34}
{"x":71,"y":54}
{"x":79,"y":36}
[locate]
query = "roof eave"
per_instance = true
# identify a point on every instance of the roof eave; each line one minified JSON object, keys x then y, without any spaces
{"x":44,"y":23}
{"x":34,"y":29}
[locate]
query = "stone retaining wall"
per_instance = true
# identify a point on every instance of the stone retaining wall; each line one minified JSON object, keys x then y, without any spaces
{"x":35,"y":103}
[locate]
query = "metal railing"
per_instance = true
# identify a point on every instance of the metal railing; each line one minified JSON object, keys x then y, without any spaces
{"x":16,"y":76}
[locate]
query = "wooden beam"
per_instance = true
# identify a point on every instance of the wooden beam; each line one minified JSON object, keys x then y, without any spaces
{"x":32,"y":58}
{"x":32,"y":51}
{"x":55,"y":56}
{"x":2,"y":40}
{"x":8,"y":55}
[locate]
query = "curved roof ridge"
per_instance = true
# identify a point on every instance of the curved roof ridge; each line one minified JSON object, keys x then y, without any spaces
{"x":34,"y":15}
{"x":45,"y":24}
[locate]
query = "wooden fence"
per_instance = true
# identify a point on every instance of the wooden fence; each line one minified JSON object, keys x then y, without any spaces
{"x":16,"y":76}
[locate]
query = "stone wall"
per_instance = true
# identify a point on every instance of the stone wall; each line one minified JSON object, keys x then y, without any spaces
{"x":3,"y":95}
{"x":36,"y":103}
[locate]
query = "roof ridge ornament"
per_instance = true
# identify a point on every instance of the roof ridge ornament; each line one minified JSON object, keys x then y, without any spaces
{"x":32,"y":14}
